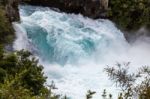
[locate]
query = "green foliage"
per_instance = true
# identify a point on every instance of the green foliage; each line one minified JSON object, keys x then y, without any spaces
{"x":106,"y":96}
{"x":121,"y":76}
{"x":130,"y":14}
{"x":29,"y":73}
{"x":2,"y":74}
{"x":90,"y":94}
{"x":22,"y":78}
{"x":8,"y":91}
{"x":120,"y":96}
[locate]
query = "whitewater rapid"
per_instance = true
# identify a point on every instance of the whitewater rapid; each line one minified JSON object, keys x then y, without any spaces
{"x":74,"y":49}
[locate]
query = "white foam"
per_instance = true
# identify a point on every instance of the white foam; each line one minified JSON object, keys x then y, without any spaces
{"x":75,"y":79}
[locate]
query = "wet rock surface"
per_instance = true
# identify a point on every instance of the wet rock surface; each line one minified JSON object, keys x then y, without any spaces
{"x":90,"y":8}
{"x":11,"y":8}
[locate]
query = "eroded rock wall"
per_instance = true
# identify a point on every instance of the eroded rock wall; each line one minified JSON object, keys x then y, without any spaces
{"x":12,"y":11}
{"x":90,"y":8}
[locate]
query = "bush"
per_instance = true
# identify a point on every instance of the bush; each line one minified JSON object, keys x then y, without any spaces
{"x":27,"y":72}
{"x":127,"y":81}
{"x":130,"y":14}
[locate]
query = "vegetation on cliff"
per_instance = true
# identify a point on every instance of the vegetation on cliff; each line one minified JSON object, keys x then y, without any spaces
{"x":130,"y":14}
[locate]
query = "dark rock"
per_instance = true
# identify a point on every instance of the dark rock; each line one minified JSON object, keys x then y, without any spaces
{"x":12,"y":11}
{"x":90,"y":8}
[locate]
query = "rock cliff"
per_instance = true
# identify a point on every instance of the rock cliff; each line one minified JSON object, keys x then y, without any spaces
{"x":129,"y":15}
{"x":90,"y":8}
{"x":12,"y":11}
{"x":8,"y":13}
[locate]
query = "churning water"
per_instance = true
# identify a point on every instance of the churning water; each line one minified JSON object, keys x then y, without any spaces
{"x":74,"y":49}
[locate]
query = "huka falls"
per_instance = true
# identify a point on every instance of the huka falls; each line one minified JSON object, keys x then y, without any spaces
{"x":66,"y":50}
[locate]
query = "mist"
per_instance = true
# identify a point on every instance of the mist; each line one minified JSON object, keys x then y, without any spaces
{"x":75,"y":50}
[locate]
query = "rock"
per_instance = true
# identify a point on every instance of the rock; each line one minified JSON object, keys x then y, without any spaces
{"x":12,"y":11}
{"x":90,"y":8}
{"x":104,"y":4}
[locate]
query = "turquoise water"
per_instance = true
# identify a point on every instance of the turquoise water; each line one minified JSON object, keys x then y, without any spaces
{"x":74,"y":49}
{"x":65,"y":38}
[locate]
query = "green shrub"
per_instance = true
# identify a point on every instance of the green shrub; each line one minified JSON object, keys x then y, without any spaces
{"x":127,"y":81}
{"x":130,"y":14}
{"x":30,"y":73}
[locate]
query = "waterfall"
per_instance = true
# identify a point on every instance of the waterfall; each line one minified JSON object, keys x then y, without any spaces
{"x":74,"y":49}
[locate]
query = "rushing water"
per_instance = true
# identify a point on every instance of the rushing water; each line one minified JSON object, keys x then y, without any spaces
{"x":74,"y":49}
